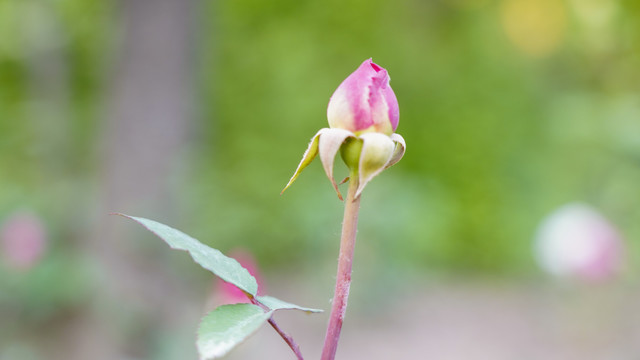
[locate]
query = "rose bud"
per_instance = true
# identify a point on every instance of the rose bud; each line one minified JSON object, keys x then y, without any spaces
{"x":363,"y":115}
{"x":364,"y":102}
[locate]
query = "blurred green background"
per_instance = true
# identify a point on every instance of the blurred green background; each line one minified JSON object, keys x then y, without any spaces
{"x":195,"y":113}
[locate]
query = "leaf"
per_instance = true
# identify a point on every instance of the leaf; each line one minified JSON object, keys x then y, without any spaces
{"x":277,"y":304}
{"x":227,"y":326}
{"x":228,"y":269}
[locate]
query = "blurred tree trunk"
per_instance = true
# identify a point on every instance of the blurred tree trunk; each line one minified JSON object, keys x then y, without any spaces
{"x":148,"y":115}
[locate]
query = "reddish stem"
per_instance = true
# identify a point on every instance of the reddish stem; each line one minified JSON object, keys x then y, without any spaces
{"x":286,"y":337}
{"x":343,"y":278}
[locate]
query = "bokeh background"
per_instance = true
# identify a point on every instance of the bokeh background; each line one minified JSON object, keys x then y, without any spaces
{"x":195,"y":114}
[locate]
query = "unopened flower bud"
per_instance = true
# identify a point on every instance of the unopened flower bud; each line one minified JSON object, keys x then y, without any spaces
{"x":364,"y":102}
{"x":363,"y":115}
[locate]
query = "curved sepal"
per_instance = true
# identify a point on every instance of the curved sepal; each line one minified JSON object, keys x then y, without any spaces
{"x":398,"y":152}
{"x":307,"y":158}
{"x":377,"y":150}
{"x":330,"y":142}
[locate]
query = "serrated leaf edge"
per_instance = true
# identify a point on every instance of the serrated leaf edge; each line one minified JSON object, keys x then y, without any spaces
{"x":290,"y":306}
{"x":137,"y":220}
{"x":267,"y":314}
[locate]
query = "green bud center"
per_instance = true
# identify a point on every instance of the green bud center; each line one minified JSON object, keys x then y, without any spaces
{"x":350,"y":152}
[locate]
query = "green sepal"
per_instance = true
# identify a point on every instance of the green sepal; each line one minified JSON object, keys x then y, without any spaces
{"x":350,"y":153}
{"x":377,"y":150}
{"x":307,"y":158}
{"x":332,"y":140}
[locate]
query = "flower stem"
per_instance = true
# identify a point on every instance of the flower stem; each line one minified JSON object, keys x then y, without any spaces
{"x":286,"y":337}
{"x":343,"y":278}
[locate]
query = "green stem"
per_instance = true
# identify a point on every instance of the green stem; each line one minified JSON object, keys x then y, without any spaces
{"x":343,"y":278}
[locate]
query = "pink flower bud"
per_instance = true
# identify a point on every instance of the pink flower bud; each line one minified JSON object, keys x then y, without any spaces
{"x":576,"y":241}
{"x":23,"y":240}
{"x":364,"y":102}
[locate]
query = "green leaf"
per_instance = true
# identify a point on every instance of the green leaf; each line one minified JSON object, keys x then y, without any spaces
{"x":228,"y":269}
{"x":227,"y":326}
{"x":277,"y":304}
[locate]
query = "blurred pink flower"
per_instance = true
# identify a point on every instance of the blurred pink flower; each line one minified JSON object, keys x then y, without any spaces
{"x":576,"y":241}
{"x":23,"y":240}
{"x":229,"y":293}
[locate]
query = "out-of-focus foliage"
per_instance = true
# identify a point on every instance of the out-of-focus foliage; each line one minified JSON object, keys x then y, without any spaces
{"x":52,"y":54}
{"x":52,"y":59}
{"x":510,"y":109}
